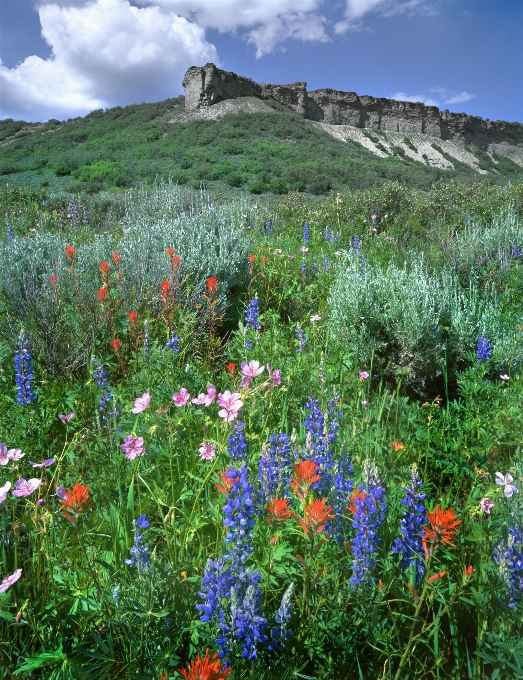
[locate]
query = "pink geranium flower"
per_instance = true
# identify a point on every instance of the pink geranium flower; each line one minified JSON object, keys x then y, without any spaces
{"x":3,"y":491}
{"x":44,"y":463}
{"x":12,"y":454}
{"x":231,"y":403}
{"x":486,"y":504}
{"x":25,"y":487}
{"x":205,"y":399}
{"x":363,"y":375}
{"x":65,"y":419}
{"x":132,"y":447}
{"x":181,"y":397}
{"x":207,"y":450}
{"x":252,"y":369}
{"x":274,"y":376}
{"x":9,"y":580}
{"x":141,"y":403}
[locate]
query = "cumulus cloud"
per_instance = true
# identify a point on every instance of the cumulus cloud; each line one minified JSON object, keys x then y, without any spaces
{"x":104,"y":53}
{"x":438,"y":96}
{"x":355,"y":10}
{"x":265,"y":23}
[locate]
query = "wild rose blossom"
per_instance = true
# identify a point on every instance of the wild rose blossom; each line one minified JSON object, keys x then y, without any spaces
{"x":3,"y":491}
{"x":141,"y":403}
{"x":181,"y":398}
{"x":9,"y":580}
{"x":205,"y":399}
{"x":207,"y":450}
{"x":25,"y":487}
{"x":132,"y":447}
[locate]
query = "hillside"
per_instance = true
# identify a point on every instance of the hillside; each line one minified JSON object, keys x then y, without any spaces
{"x":244,"y":144}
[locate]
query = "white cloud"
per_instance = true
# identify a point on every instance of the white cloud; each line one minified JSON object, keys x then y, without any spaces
{"x":267,"y":22}
{"x":104,"y":53}
{"x":439,"y":97}
{"x":355,"y":10}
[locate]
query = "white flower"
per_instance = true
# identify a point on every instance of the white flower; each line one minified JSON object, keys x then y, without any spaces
{"x":506,"y":481}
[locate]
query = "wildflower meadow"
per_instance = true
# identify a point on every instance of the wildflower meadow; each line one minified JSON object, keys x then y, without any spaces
{"x":253,"y":438}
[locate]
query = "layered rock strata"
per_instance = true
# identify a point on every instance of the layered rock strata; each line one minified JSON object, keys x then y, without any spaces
{"x":208,"y":85}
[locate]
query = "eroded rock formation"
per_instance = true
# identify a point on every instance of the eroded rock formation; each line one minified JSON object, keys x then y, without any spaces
{"x":208,"y":85}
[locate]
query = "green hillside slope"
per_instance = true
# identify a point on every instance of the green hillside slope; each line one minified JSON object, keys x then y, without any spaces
{"x":266,"y":152}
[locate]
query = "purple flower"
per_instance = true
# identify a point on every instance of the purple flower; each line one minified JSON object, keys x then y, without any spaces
{"x":356,"y":244}
{"x":251,"y":369}
{"x":3,"y":491}
{"x":363,"y":375}
{"x":44,"y":463}
{"x":274,"y":376}
{"x":142,"y":522}
{"x":61,"y":492}
{"x":141,"y":403}
{"x":306,"y":234}
{"x":409,"y":545}
{"x":252,"y":314}
{"x":509,"y":557}
{"x":281,"y":633}
{"x":9,"y":580}
{"x":25,"y":487}
{"x":486,"y":505}
{"x":237,"y":443}
{"x":12,"y":454}
{"x":274,"y":467}
{"x":181,"y":398}
{"x":506,"y":482}
{"x":65,"y":419}
{"x":207,"y":450}
{"x":24,"y":372}
{"x":205,"y":399}
{"x":368,"y":516}
{"x":140,"y":554}
{"x":250,"y":624}
{"x":173,"y":344}
{"x":132,"y":447}
{"x":483,"y":351}
{"x":301,"y":337}
{"x":231,"y":403}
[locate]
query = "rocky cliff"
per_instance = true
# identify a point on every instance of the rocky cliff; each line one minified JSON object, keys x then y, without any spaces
{"x":208,"y":85}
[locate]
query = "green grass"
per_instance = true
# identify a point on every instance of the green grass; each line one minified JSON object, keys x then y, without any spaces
{"x":261,"y":153}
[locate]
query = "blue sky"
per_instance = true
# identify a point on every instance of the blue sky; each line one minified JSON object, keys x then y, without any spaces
{"x":64,"y":58}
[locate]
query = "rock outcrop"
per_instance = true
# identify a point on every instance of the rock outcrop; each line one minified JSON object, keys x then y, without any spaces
{"x":208,"y":85}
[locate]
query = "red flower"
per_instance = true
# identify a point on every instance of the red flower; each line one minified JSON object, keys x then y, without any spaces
{"x":70,"y":252}
{"x":102,"y":295}
{"x":206,"y":669}
{"x":316,"y":516}
{"x":116,"y":258}
{"x":397,"y":446}
{"x":54,"y":279}
{"x":165,"y":289}
{"x":355,"y":495}
{"x":227,"y":482}
{"x":75,"y":499}
{"x":212,"y":284}
{"x":105,"y":268}
{"x":278,"y":509}
{"x":231,"y":367}
{"x":176,"y":261}
{"x":264,"y":259}
{"x":252,"y":259}
{"x":435,"y":577}
{"x":443,"y":524}
{"x":304,"y":477}
{"x":467,"y":572}
{"x":170,"y":252}
{"x":133,"y":317}
{"x":115,"y":344}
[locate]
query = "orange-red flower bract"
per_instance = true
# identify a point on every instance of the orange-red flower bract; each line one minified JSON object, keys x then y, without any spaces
{"x":316,"y":516}
{"x":304,"y":477}
{"x":102,"y":294}
{"x":252,"y":259}
{"x":165,"y":289}
{"x":212,"y":284}
{"x":278,"y":510}
{"x":116,"y":258}
{"x":170,"y":252}
{"x":205,"y":669}
{"x":133,"y":317}
{"x":227,"y":482}
{"x":116,"y":344}
{"x":397,"y":446}
{"x":443,"y":524}
{"x":105,"y":267}
{"x":467,"y":572}
{"x":231,"y":367}
{"x":76,"y":498}
{"x":70,"y":251}
{"x":53,"y":279}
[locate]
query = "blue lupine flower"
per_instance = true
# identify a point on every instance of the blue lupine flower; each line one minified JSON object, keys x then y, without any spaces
{"x":252,"y":314}
{"x":314,"y":268}
{"x":216,"y":584}
{"x":327,"y":234}
{"x":356,"y":244}
{"x":483,"y":350}
{"x":282,"y":633}
{"x":140,"y":554}
{"x":326,"y":264}
{"x":106,"y":397}
{"x":304,"y":269}
{"x":302,"y":339}
{"x":237,"y":444}
{"x":173,"y":343}
{"x":509,"y":558}
{"x":10,"y":233}
{"x":516,"y":252}
{"x":275,"y":467}
{"x":368,"y":518}
{"x":250,"y":624}
{"x":321,"y":437}
{"x":466,"y":219}
{"x":306,"y":234}
{"x":24,"y":372}
{"x":248,"y":345}
{"x":363,"y":265}
{"x":343,"y":485}
{"x":240,"y":518}
{"x":409,"y":545}
{"x":267,"y":227}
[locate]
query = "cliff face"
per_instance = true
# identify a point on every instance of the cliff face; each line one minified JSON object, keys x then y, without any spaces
{"x":208,"y":85}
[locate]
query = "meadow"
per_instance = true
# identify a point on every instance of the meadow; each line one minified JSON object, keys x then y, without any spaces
{"x":252,"y":437}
